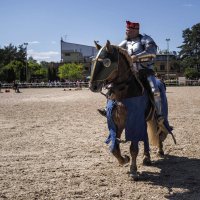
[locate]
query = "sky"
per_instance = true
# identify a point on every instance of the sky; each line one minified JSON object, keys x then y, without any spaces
{"x":42,"y":23}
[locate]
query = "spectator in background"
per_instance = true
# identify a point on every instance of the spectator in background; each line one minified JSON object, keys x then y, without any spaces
{"x":15,"y":87}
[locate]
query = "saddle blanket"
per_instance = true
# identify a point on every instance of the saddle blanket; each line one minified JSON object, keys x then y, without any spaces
{"x":136,"y":127}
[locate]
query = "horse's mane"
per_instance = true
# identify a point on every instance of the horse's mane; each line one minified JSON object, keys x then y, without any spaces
{"x":125,"y":54}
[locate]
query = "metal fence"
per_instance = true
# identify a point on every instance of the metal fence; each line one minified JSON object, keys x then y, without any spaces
{"x":49,"y":85}
{"x":182,"y":83}
{"x":86,"y":84}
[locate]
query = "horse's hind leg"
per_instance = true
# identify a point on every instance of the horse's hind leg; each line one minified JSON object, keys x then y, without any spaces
{"x":134,"y":153}
{"x":160,"y":148}
{"x":146,"y":158}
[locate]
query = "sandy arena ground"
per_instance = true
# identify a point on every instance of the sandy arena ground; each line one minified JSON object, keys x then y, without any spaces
{"x":52,"y":147}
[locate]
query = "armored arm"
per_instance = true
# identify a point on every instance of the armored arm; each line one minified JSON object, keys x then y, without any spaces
{"x":123,"y":44}
{"x":150,"y":47}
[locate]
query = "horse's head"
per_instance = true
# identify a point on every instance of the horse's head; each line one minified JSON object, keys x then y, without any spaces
{"x":105,"y":67}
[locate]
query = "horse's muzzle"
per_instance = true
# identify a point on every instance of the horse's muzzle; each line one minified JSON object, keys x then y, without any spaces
{"x":95,"y":86}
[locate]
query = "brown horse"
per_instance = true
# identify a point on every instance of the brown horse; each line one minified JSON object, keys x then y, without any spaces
{"x":112,"y":67}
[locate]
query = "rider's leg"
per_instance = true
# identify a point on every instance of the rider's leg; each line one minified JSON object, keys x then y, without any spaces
{"x":163,"y":130}
{"x":156,"y":92}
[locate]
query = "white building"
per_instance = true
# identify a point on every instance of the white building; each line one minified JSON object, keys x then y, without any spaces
{"x":71,"y":52}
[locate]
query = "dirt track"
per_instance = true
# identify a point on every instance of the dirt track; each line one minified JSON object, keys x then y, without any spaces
{"x":52,"y":147}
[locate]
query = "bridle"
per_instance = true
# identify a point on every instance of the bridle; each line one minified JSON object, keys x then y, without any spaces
{"x":112,"y":84}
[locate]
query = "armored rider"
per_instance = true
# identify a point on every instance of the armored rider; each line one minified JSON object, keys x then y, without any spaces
{"x":141,"y":46}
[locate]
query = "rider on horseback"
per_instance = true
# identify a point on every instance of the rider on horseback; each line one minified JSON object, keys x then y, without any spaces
{"x":142,"y":50}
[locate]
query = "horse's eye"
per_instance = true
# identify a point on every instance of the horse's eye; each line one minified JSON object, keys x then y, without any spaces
{"x":106,"y":62}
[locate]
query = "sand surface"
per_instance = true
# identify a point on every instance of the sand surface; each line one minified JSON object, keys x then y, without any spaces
{"x":52,"y":147}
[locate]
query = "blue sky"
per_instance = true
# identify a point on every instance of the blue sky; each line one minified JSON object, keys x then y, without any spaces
{"x":42,"y":23}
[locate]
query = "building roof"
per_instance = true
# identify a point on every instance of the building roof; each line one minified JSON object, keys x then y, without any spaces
{"x":85,"y":50}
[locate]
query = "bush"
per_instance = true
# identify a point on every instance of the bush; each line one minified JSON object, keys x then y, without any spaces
{"x":191,"y":73}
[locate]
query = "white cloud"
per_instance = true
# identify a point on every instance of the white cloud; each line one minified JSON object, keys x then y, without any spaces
{"x":44,"y":56}
{"x":34,"y":42}
{"x":188,"y":5}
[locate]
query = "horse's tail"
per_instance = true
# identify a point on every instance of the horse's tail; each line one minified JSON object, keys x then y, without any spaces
{"x":152,"y":132}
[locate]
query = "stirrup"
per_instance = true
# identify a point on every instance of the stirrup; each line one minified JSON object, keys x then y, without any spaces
{"x":102,"y":111}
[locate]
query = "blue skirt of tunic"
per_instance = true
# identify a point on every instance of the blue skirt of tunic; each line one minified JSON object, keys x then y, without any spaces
{"x":136,"y":126}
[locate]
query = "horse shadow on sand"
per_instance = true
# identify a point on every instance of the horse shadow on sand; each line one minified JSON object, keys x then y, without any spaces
{"x":179,"y":175}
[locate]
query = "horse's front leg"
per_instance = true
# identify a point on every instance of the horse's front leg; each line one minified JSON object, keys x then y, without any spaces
{"x":119,"y":117}
{"x":134,"y":153}
{"x":117,"y":152}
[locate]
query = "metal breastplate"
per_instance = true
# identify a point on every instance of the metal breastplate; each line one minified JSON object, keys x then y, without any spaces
{"x":134,"y":47}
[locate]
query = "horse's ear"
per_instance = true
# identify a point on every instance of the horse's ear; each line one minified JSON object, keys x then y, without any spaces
{"x":98,"y":47}
{"x":108,"y":46}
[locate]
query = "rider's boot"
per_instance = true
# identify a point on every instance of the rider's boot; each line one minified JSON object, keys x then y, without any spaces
{"x":162,"y":130}
{"x":102,"y":111}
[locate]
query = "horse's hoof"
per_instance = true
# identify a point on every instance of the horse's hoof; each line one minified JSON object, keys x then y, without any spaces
{"x":126,"y":159}
{"x":134,"y":176}
{"x":147,"y":161}
{"x":161,"y":154}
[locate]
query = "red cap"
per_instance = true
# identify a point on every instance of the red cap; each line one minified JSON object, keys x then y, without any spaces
{"x":133,"y":25}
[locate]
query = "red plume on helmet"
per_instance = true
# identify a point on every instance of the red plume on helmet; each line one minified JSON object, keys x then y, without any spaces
{"x":133,"y":25}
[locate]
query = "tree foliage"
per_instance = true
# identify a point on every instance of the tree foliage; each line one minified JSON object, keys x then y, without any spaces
{"x":10,"y":53}
{"x":12,"y":63}
{"x":52,"y":72}
{"x":191,"y":73}
{"x":190,"y":50}
{"x":70,"y":71}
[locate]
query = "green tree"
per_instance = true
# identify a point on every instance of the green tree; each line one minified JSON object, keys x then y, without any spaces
{"x":8,"y":73}
{"x":44,"y":69}
{"x":12,"y":63}
{"x":191,"y":73}
{"x":36,"y":71}
{"x":18,"y":68}
{"x":21,"y":54}
{"x":70,"y":71}
{"x":44,"y":64}
{"x":33,"y":67}
{"x":190,"y":50}
{"x":52,"y":72}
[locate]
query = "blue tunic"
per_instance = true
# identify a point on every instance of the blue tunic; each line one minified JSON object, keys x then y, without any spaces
{"x":136,"y":127}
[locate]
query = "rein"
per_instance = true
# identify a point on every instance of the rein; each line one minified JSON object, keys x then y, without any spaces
{"x":119,"y":86}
